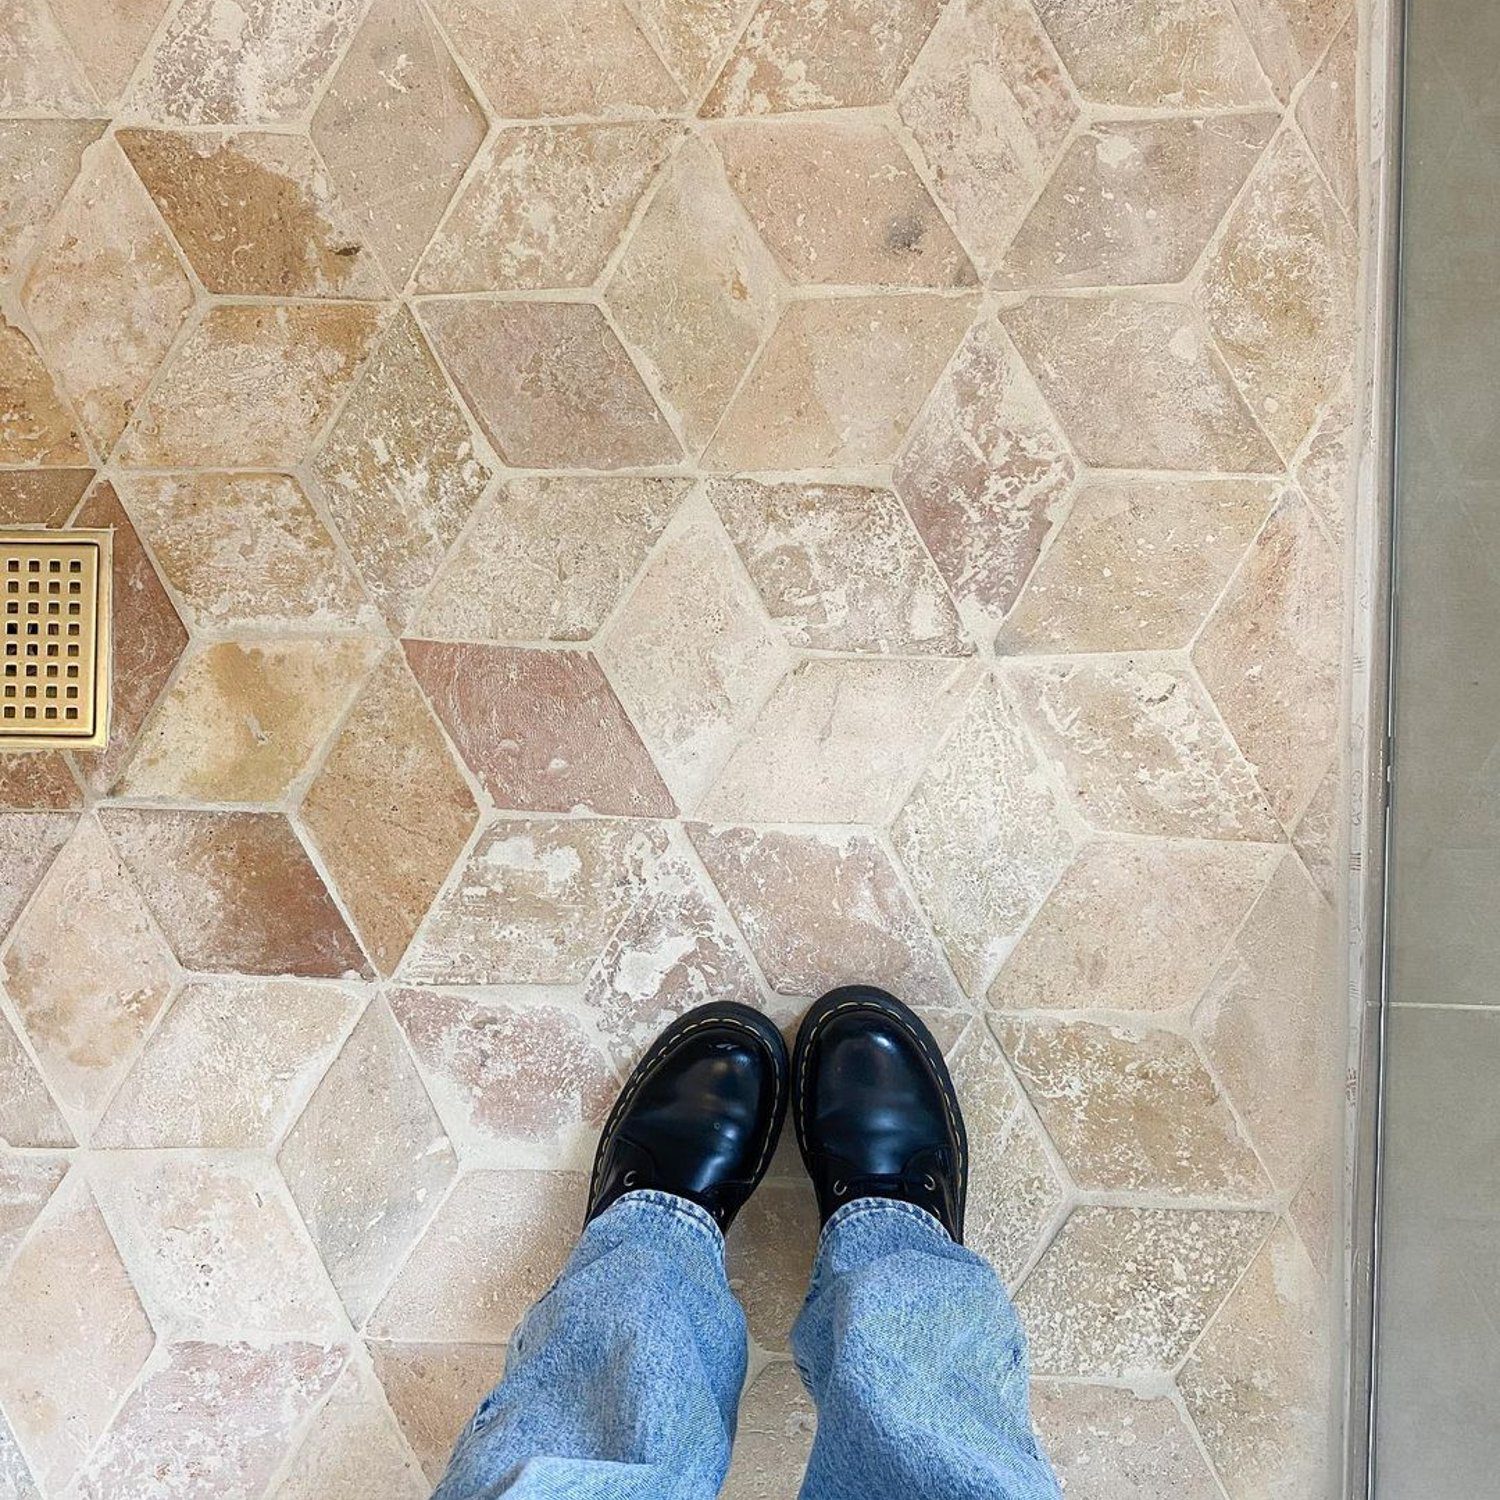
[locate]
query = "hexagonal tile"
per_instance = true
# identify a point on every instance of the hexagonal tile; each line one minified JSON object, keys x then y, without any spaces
{"x":36,"y":426}
{"x":38,"y":161}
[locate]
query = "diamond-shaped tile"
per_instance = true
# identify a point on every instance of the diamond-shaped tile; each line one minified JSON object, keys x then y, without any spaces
{"x":545,"y":207}
{"x":1138,"y":742}
{"x":353,"y":1447}
{"x":1318,"y":834}
{"x":1127,"y":1291}
{"x":535,"y":902}
{"x":400,"y":470}
{"x":837,"y":200}
{"x":1272,"y":653}
{"x":234,"y":891}
{"x":251,"y":385}
{"x":389,"y":812}
{"x":108,"y":40}
{"x":1279,"y":292}
{"x":1135,"y":201}
{"x":1136,"y":566}
{"x":990,"y":107}
{"x":37,"y":69}
{"x":244,"y":719}
{"x":397,"y":127}
{"x":822,"y":908}
{"x":368,"y":1162}
{"x":692,"y":654}
{"x":67,"y":1290}
{"x":983,"y":835}
{"x":29,"y":1116}
{"x":1099,"y":941}
{"x":840,"y":567}
{"x":434,"y":1390}
{"x":985,"y":474}
{"x":774,"y":1437}
{"x":547,"y":558}
{"x":1179,"y":410}
{"x":692,"y":39}
{"x":26,"y":1183}
{"x":1291,"y":35}
{"x":28,"y":844}
{"x":571,"y":57}
{"x":769,"y":1258}
{"x":14,"y":1473}
{"x":1327,"y":471}
{"x":38,"y":161}
{"x":255,"y":213}
{"x":845,"y":52}
{"x":35,"y":425}
{"x":1328,"y":113}
{"x":255,"y":1050}
{"x":550,"y":384}
{"x":86,"y":972}
{"x":839,"y":382}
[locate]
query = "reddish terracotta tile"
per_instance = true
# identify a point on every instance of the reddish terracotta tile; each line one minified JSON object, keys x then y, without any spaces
{"x":38,"y":161}
{"x":38,"y":781}
{"x":35,"y":426}
{"x":41,"y":497}
{"x":542,"y":730}
{"x":37,"y":70}
{"x":29,"y":1117}
{"x":434,"y":1390}
{"x":234,"y":891}
{"x":26,"y":1183}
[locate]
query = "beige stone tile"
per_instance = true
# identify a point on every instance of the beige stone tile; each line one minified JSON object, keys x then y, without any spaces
{"x":368,"y":1162}
{"x":28,"y":844}
{"x":14,"y":1474}
{"x":433,"y":1390}
{"x":1134,"y":926}
{"x":1328,"y":113}
{"x":38,"y":71}
{"x":401,"y":471}
{"x":693,"y":654}
{"x":1110,"y":1444}
{"x":1257,"y":1385}
{"x":1014,"y":1191}
{"x":1132,"y":1109}
{"x":1327,"y":472}
{"x":769,"y":1256}
{"x":41,"y":497}
{"x":547,"y":558}
{"x":545,"y":208}
{"x":775,"y":1436}
{"x":26,"y":1183}
{"x":1272,"y":1024}
{"x":1180,"y":409}
{"x":695,"y":290}
{"x":1278,"y":292}
{"x":823,"y":908}
{"x":550,"y":384}
{"x":985,"y":475}
{"x":495,"y":1246}
{"x":255,"y":213}
{"x":840,"y":567}
{"x":108,"y":39}
{"x":38,"y":161}
{"x":524,"y":1080}
{"x":839,"y":741}
{"x":245,"y":551}
{"x":389,"y":812}
{"x":837,"y":200}
{"x":1318,"y":835}
{"x":1135,"y":201}
{"x":983,"y":835}
{"x":259,"y":63}
{"x":1272,"y":653}
{"x":575,"y":57}
{"x":86,"y":971}
{"x":244,"y":719}
{"x":234,"y":892}
{"x":839,"y":382}
{"x":29,"y":1116}
{"x":353,"y":1447}
{"x":251,"y":386}
{"x":36,"y":427}
{"x":1136,"y":566}
{"x":67,"y":1290}
{"x":542,"y":730}
{"x":792,"y":57}
{"x":535,"y":902}
{"x":215,"y":1248}
{"x":397,"y":127}
{"x":692,"y":39}
{"x":254,"y":1050}
{"x":1291,"y":35}
{"x":1127,"y":1291}
{"x":1163,"y":54}
{"x":1141,"y":748}
{"x":210,"y":1418}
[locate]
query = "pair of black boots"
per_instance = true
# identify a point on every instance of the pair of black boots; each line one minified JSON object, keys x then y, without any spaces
{"x":872,"y":1101}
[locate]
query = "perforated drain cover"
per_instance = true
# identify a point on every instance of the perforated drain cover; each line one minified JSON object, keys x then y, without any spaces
{"x":54,"y":681}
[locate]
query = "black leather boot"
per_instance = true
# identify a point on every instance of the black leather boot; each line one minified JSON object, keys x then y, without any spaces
{"x":875,"y":1109}
{"x":700,"y":1114}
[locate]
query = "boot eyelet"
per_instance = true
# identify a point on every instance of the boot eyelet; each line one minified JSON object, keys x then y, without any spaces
{"x":840,"y":1188}
{"x":631,"y":1178}
{"x":930,"y":1184}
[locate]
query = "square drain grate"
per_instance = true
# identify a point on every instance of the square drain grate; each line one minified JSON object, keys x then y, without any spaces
{"x":54,"y":674}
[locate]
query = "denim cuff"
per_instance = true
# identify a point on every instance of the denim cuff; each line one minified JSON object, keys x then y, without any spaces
{"x":650,"y":1202}
{"x":893,"y":1208}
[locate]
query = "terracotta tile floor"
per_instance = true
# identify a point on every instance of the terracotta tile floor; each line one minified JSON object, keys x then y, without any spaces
{"x":623,"y":502}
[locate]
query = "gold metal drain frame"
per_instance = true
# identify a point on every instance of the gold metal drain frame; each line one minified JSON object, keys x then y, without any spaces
{"x":55,"y":645}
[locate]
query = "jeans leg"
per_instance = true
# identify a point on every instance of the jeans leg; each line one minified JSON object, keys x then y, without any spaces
{"x":916,"y":1360}
{"x":623,"y":1382}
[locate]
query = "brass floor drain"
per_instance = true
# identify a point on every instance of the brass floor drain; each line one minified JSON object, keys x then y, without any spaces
{"x":54,"y":676}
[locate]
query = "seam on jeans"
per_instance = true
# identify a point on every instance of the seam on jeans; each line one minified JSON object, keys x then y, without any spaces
{"x":682,"y":1208}
{"x":633,"y":1087}
{"x":858,"y":1207}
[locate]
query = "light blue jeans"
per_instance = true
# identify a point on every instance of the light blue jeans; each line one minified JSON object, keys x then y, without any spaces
{"x":623,"y":1382}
